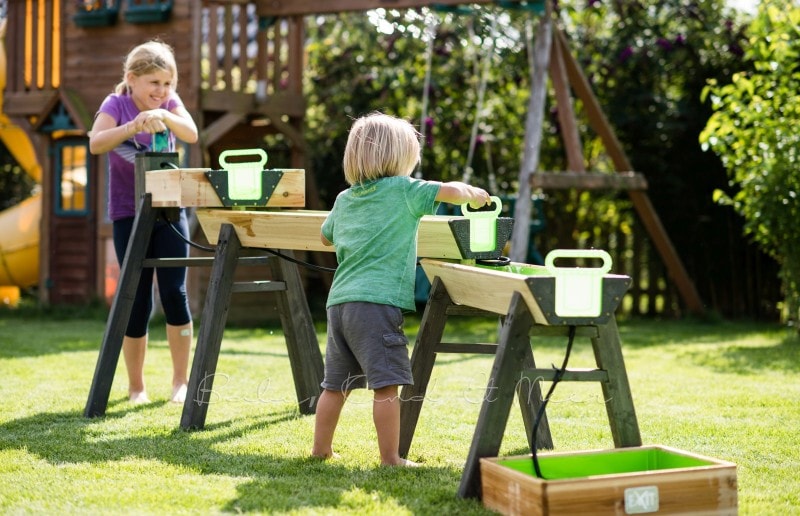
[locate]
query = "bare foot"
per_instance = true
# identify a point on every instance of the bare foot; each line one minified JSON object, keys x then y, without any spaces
{"x":402,"y":462}
{"x":178,"y":394}
{"x":326,"y":456}
{"x":138,"y":398}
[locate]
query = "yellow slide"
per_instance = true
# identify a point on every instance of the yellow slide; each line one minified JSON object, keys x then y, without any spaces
{"x":19,"y":225}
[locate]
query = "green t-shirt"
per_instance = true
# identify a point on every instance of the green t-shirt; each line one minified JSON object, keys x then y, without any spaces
{"x":374,"y":228}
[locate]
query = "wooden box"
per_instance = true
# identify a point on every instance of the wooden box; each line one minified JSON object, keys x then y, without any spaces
{"x":639,"y":480}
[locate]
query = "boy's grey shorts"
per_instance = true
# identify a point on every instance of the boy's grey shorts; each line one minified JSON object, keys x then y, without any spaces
{"x":366,"y":347}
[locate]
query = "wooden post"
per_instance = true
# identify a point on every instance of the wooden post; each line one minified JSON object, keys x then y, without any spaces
{"x":212,"y":324}
{"x":533,"y":138}
{"x":499,"y":394}
{"x":616,"y":389}
{"x":302,"y":345}
{"x":121,"y":308}
{"x":430,"y":333}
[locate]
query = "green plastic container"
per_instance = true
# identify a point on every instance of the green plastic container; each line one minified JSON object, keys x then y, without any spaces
{"x":612,"y":462}
{"x":244,"y":178}
{"x":579,"y":290}
{"x":482,"y":226}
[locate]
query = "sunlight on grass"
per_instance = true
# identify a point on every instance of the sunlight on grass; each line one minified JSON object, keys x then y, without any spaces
{"x":726,"y":390}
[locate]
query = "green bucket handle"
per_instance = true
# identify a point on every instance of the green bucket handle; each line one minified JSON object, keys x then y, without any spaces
{"x":244,"y":178}
{"x":552,"y":256}
{"x":482,"y":225}
{"x":578,"y":290}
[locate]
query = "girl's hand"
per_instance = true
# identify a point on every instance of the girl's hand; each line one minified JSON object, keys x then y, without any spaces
{"x":150,"y":121}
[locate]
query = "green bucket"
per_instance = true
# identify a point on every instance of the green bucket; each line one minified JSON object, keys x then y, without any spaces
{"x":244,"y":178}
{"x":482,"y":226}
{"x":579,"y":290}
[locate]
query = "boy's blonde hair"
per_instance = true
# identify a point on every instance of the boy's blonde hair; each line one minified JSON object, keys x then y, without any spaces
{"x":153,"y":56}
{"x":380,"y":145}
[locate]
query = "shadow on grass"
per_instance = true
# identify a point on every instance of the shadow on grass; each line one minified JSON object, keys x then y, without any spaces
{"x":742,"y":359}
{"x":278,"y":484}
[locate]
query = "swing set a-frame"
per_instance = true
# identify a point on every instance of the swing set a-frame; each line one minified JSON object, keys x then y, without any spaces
{"x":551,"y":52}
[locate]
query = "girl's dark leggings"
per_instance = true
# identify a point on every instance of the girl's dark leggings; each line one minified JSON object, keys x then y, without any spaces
{"x":164,"y":243}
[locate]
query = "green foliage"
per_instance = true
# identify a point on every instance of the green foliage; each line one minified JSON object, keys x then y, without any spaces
{"x":360,"y":63}
{"x":754,"y":131}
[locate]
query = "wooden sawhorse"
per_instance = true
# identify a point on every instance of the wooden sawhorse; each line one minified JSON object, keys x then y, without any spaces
{"x":514,"y":370}
{"x":301,"y":339}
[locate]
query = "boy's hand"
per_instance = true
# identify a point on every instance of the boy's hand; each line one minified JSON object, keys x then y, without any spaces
{"x":480,"y":198}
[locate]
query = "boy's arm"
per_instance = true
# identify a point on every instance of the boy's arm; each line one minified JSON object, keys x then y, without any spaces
{"x":456,"y":192}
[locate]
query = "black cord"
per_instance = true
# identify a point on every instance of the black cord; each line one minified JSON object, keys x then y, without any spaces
{"x":276,"y":253}
{"x":540,"y":413}
{"x":302,"y":263}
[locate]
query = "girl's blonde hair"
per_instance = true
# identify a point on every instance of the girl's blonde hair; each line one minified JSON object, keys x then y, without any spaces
{"x":380,"y":145}
{"x":150,"y":57}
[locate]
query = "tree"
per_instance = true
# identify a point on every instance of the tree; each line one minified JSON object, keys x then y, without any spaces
{"x":754,"y":130}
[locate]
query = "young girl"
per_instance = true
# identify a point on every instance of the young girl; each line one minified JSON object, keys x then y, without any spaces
{"x":145,"y":103}
{"x":374,"y":227}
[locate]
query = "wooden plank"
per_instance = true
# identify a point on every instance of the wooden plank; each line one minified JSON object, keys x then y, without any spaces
{"x":281,"y":102}
{"x":306,"y":7}
{"x":220,"y":127}
{"x":588,"y":181}
{"x":299,"y":230}
{"x":189,"y":187}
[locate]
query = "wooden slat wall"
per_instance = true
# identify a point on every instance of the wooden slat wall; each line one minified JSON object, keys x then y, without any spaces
{"x":235,"y":65}
{"x":95,"y":56}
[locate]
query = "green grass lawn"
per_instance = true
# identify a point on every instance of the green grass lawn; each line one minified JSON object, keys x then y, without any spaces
{"x":726,"y":390}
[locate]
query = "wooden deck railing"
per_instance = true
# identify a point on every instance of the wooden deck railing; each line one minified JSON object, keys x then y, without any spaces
{"x":246,"y":53}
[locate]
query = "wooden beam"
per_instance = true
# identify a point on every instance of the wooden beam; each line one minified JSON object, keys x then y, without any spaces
{"x":520,"y":235}
{"x":221,"y":126}
{"x":299,"y":230}
{"x":570,"y":135}
{"x":641,"y":202}
{"x":589,"y":181}
{"x":306,"y":7}
{"x":189,"y":187}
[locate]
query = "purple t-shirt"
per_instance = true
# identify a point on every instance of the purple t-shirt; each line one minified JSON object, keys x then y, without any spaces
{"x":121,"y":160}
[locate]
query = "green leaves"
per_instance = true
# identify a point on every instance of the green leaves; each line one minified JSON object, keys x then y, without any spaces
{"x":754,"y":129}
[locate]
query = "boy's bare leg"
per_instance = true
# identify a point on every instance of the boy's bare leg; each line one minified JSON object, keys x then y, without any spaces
{"x":134,"y":351}
{"x":386,"y":416}
{"x":329,"y":407}
{"x":180,"y":345}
